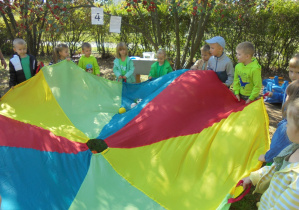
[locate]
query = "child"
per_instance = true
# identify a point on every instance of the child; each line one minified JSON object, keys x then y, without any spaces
{"x":60,"y":53}
{"x":293,"y":74}
{"x":202,"y":64}
{"x":280,"y":140}
{"x":22,"y":66}
{"x":247,"y":79}
{"x":87,"y":61}
{"x":161,"y":67}
{"x":123,"y":66}
{"x":279,"y":182}
{"x":219,"y":62}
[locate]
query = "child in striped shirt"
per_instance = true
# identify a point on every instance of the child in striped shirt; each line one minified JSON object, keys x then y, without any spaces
{"x":279,"y":183}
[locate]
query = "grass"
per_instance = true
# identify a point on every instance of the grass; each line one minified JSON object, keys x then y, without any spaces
{"x":248,"y":202}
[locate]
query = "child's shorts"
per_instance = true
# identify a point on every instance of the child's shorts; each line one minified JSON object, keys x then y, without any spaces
{"x":245,"y":98}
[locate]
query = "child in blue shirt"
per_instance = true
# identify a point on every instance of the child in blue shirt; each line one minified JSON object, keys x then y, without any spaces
{"x":280,"y":139}
{"x":123,"y":66}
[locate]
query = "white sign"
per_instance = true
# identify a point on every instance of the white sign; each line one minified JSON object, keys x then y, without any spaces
{"x":97,"y":16}
{"x":115,"y":24}
{"x":116,"y":2}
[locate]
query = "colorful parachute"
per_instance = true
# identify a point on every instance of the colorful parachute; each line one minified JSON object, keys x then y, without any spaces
{"x":185,"y":146}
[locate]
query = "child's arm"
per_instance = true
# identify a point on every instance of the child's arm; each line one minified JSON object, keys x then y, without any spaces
{"x":266,"y":173}
{"x":35,"y":66}
{"x":96,"y":67}
{"x":257,"y":84}
{"x":236,"y":86}
{"x":230,"y":74}
{"x":169,"y":69}
{"x":152,"y":71}
{"x":12,"y":75}
{"x":196,"y":65}
{"x":256,"y":176}
{"x":116,"y":69}
{"x":246,"y":182}
{"x":131,"y":69}
{"x":262,"y":158}
{"x":288,"y":199}
{"x":80,"y":63}
{"x":279,"y":141}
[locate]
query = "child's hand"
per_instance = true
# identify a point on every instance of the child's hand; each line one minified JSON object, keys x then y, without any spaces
{"x":226,"y":85}
{"x":192,"y":68}
{"x":3,"y":63}
{"x":270,"y":94}
{"x":262,"y":158}
{"x":68,"y":59}
{"x":98,"y":75}
{"x":120,"y":77}
{"x":238,"y":97}
{"x":149,"y":77}
{"x":246,"y":182}
{"x":38,"y":63}
{"x":124,"y":77}
{"x":248,"y":101}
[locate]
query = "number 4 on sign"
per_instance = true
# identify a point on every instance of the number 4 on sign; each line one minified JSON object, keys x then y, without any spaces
{"x":97,"y":16}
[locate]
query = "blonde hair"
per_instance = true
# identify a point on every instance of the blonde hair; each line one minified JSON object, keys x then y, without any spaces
{"x":18,"y":41}
{"x":56,"y":51}
{"x":294,"y":62}
{"x":121,"y":46}
{"x":85,"y":45}
{"x":162,"y":52}
{"x":246,"y":47}
{"x":292,"y":92}
{"x":293,"y":111}
{"x":205,"y":48}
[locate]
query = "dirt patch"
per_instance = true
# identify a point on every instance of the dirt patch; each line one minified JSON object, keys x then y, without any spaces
{"x":275,"y":116}
{"x":106,"y":68}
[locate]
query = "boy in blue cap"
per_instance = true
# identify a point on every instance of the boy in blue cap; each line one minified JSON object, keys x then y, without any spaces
{"x":219,"y":62}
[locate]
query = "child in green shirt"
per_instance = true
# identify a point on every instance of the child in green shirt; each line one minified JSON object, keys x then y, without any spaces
{"x":247,"y":78}
{"x":87,"y":61}
{"x":161,"y":67}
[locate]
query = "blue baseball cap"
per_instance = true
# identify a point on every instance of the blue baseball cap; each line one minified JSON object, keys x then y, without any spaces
{"x":217,"y":39}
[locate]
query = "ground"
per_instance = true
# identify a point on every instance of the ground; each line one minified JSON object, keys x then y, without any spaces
{"x":106,"y":65}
